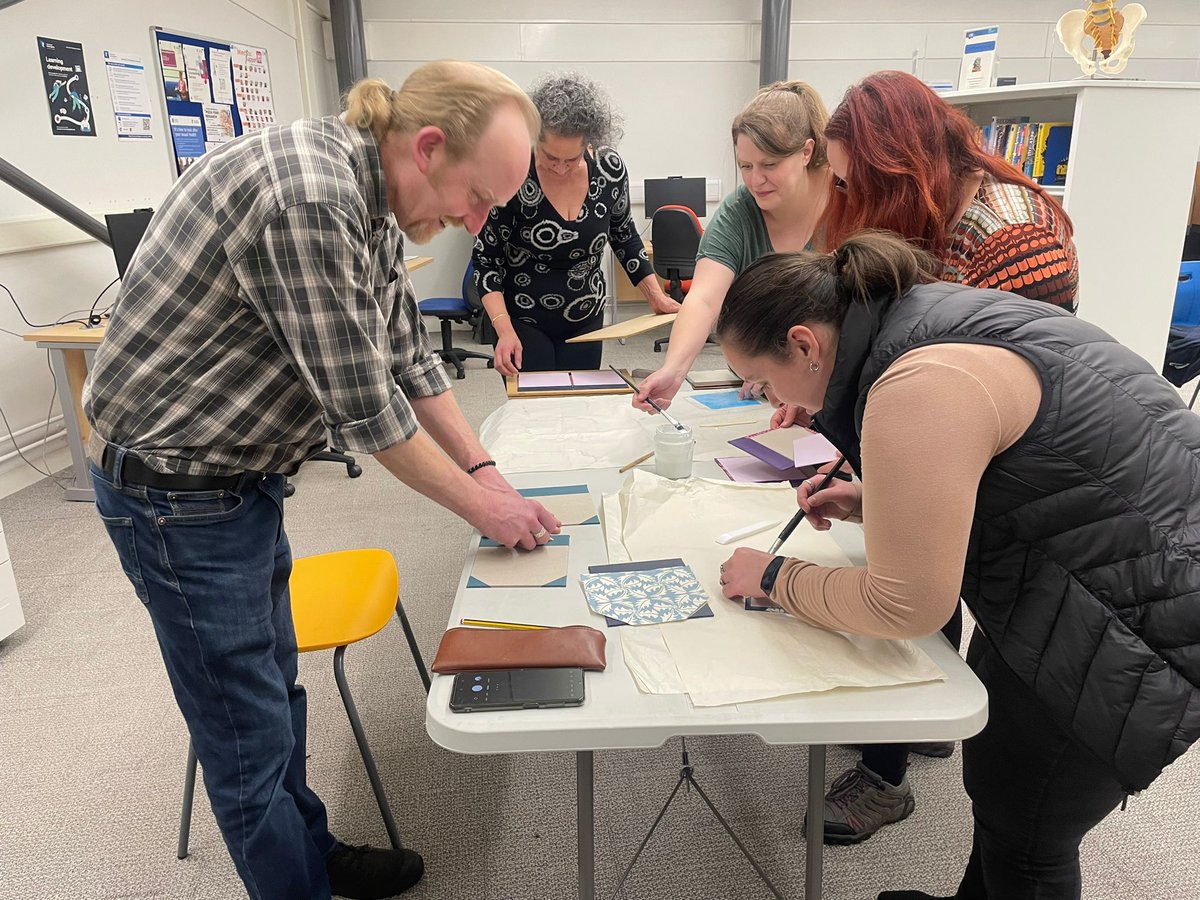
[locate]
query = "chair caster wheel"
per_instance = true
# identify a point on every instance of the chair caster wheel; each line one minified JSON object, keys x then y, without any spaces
{"x":354,"y":471}
{"x":462,"y":373}
{"x":288,"y":489}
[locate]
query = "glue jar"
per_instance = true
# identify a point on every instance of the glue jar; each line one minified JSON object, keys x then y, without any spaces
{"x":673,"y":451}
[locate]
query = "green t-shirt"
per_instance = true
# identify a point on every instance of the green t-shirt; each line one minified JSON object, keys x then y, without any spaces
{"x":736,"y":234}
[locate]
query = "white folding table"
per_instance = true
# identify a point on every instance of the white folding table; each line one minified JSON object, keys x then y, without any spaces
{"x":616,"y":715}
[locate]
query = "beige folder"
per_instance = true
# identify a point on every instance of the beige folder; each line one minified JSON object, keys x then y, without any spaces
{"x":628,"y":328}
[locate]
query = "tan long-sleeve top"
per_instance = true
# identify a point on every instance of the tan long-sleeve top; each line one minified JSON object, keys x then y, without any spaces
{"x":932,"y":423}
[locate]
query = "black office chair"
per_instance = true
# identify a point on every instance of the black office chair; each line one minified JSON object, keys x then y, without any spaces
{"x":333,"y":454}
{"x":675,"y":235}
{"x":460,"y":310}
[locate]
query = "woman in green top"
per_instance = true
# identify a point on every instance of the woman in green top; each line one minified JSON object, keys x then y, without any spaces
{"x":779,"y":145}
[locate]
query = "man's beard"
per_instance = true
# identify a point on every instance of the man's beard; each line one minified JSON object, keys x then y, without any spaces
{"x":425,"y":230}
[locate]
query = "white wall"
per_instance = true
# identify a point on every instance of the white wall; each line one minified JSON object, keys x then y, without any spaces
{"x":681,"y":69}
{"x":100,"y":174}
{"x":678,"y":69}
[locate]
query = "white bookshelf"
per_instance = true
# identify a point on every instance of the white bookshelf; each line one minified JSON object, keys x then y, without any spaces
{"x":11,"y":617}
{"x":1132,"y":167}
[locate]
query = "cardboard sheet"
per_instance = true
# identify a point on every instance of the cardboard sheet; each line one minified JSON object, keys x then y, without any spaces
{"x":628,"y":328}
{"x":571,"y":504}
{"x":739,"y":655}
{"x":498,"y":566}
{"x":576,"y":383}
{"x":713,"y":378}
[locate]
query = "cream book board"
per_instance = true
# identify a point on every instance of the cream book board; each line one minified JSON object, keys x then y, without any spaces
{"x":628,"y":328}
{"x":1132,"y":167}
{"x":11,"y":616}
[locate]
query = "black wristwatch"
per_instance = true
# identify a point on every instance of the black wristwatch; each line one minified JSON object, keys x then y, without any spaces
{"x":770,"y":573}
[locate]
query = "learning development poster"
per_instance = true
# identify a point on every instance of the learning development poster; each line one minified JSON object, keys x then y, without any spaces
{"x":66,"y":84}
{"x":213,"y":91}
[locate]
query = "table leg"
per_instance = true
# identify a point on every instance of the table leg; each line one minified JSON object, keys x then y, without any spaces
{"x":585,"y":824}
{"x":70,"y":371}
{"x":813,"y":858}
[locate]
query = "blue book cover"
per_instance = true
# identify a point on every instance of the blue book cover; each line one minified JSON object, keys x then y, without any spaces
{"x":1058,"y":147}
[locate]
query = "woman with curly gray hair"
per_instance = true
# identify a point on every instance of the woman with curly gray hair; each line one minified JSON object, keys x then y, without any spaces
{"x":537,"y":259}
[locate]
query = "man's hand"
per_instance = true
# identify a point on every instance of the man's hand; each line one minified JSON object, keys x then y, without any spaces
{"x":741,"y":574}
{"x":514,"y":521}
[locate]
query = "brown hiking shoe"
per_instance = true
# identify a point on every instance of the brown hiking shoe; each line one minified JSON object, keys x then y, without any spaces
{"x":859,"y":803}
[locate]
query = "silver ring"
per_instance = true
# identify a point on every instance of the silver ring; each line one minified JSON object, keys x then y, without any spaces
{"x":539,"y":534}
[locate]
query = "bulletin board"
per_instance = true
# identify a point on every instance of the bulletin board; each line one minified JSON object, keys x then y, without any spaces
{"x":213,"y":91}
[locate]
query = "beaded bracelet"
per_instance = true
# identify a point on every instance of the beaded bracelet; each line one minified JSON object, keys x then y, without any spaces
{"x":480,"y":465}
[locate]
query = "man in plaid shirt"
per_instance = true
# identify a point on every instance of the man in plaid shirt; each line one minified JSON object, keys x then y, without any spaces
{"x":268,"y":304}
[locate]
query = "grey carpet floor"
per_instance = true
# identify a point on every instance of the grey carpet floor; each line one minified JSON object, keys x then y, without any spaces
{"x":92,"y":747}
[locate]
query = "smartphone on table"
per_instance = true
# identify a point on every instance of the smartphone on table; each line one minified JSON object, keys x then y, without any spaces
{"x":516,"y":689}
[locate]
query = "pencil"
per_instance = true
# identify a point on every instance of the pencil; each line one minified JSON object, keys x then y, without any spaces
{"x":799,"y":516}
{"x":518,"y":626}
{"x":637,"y":462}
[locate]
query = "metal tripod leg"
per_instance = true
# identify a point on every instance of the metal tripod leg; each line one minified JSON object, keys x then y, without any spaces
{"x":687,"y":777}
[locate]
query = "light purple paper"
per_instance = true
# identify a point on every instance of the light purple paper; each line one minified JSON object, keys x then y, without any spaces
{"x":748,"y":470}
{"x":544,"y":380}
{"x":597,"y":379}
{"x":813,"y":450}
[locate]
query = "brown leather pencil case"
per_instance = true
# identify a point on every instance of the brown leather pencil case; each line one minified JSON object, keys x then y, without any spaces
{"x":471,"y":649}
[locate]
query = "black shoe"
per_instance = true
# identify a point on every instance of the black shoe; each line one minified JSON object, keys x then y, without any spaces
{"x":936,"y":749}
{"x":365,"y":873}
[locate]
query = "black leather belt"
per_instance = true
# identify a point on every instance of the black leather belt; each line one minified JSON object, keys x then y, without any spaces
{"x":134,"y":471}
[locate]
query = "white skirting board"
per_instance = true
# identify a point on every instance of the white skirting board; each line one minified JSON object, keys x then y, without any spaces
{"x":11,"y":616}
{"x":35,"y":443}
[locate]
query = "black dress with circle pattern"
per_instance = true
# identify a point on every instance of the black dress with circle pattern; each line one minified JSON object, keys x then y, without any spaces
{"x":548,"y":269}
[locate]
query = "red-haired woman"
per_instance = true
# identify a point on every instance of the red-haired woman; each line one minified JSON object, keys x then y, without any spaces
{"x":905,"y":160}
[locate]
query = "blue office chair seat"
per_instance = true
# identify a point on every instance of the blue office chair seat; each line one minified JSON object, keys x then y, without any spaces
{"x":455,"y":309}
{"x":444,"y":306}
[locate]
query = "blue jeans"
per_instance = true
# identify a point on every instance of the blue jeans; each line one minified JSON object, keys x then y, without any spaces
{"x":212,"y":569}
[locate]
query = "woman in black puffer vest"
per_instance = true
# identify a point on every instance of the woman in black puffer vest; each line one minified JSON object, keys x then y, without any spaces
{"x":1024,"y":458}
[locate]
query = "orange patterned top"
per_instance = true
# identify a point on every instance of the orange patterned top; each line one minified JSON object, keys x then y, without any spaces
{"x":1013,"y":239}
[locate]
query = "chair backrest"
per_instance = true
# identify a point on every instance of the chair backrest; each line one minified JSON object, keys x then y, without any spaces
{"x":675,"y":233}
{"x":469,"y":294}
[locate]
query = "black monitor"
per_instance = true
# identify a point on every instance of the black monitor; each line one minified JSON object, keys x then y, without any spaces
{"x":675,"y":191}
{"x":125,"y":230}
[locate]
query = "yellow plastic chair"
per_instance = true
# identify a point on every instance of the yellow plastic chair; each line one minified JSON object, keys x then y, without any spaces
{"x":337,"y":599}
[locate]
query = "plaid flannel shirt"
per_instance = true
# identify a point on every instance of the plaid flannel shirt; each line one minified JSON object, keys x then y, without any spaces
{"x":267,"y":303}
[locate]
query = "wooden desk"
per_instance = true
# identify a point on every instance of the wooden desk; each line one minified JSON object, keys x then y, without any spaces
{"x":72,"y":347}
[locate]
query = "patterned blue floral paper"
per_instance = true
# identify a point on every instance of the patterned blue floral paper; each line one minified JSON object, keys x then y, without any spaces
{"x":649,"y":597}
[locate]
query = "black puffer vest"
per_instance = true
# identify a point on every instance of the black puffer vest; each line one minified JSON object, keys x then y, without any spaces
{"x":1083,"y":567}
